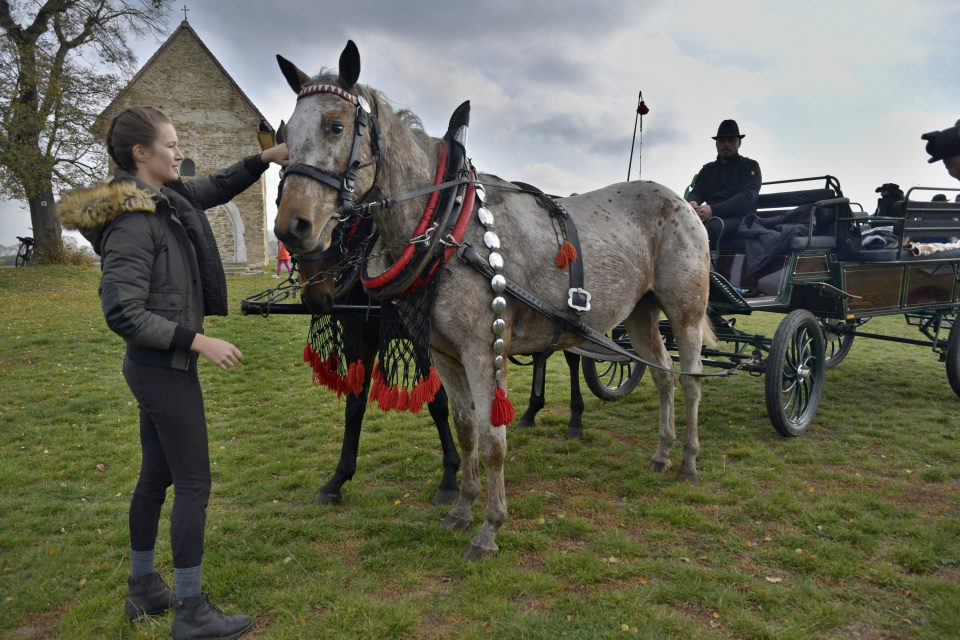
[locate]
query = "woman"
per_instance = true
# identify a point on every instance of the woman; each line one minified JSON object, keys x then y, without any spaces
{"x":161,"y":275}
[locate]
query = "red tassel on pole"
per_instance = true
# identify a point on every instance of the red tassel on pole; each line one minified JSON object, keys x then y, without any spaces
{"x":642,"y":108}
{"x":566,"y":255}
{"x":501,"y":413}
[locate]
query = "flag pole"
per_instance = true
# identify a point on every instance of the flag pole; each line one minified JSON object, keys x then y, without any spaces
{"x":642,"y":110}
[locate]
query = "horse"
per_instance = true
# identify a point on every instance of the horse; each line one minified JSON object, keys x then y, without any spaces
{"x":317,"y":295}
{"x":318,"y":289}
{"x":645,"y":249}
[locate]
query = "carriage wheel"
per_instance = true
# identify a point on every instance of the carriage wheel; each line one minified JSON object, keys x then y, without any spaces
{"x":836,"y":345}
{"x":23,"y":255}
{"x":953,"y":356}
{"x":612,"y":380}
{"x":795,"y":373}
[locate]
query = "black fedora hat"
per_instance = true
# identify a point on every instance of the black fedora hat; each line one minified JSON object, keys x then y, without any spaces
{"x":729,"y":129}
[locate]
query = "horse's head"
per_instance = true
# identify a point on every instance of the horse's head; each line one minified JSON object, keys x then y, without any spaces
{"x":333,"y":142}
{"x":318,"y":291}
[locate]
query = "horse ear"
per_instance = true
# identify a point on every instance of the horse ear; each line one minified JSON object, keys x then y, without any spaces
{"x":349,"y":65}
{"x":295,"y":78}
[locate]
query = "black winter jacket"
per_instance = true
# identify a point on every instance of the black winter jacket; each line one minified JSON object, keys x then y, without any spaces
{"x":730,"y":188}
{"x":161,"y":269}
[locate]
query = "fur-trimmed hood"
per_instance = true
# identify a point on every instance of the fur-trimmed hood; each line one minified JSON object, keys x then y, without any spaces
{"x":94,"y":208}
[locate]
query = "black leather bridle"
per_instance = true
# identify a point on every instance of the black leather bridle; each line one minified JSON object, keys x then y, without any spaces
{"x":344,"y":181}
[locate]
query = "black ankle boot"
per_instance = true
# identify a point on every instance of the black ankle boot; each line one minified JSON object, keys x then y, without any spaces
{"x":198,"y":619}
{"x":149,"y":595}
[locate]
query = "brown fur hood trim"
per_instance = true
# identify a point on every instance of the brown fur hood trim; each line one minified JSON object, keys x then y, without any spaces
{"x":96,"y":207}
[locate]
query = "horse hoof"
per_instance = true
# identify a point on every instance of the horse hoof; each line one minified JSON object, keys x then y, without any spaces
{"x":456,"y":524}
{"x":473,"y":552}
{"x":687,"y":476}
{"x":658,"y":467}
{"x":326,"y":498}
{"x":523,"y":423}
{"x":574,"y":433}
{"x":445,"y":497}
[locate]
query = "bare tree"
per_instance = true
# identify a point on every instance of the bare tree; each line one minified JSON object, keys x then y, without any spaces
{"x":61,"y":62}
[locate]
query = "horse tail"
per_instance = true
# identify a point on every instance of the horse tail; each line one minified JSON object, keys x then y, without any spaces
{"x":706,"y":328}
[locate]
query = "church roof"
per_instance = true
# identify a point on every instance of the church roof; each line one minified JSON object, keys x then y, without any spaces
{"x":185,"y":27}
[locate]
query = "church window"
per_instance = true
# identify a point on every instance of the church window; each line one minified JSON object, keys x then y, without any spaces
{"x":188,"y":169}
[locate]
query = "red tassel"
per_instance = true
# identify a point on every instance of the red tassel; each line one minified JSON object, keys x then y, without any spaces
{"x":566,"y":255}
{"x":501,"y":413}
{"x":355,"y":378}
{"x":403,"y":402}
{"x":307,"y":352}
{"x":642,"y":108}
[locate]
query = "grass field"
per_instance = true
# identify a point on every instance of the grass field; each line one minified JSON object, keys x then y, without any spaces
{"x":849,"y":531}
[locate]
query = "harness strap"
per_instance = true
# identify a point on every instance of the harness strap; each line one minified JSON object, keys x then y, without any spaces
{"x":578,"y":297}
{"x":565,"y":322}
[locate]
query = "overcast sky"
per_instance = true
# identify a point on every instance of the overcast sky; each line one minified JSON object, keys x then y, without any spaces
{"x":841,"y":87}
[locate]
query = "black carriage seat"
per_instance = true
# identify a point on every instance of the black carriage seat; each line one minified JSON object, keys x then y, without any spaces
{"x":824,"y":234}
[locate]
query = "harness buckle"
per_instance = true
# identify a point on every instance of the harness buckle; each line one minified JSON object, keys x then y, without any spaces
{"x":580,"y":303}
{"x":450,"y":241}
{"x":425,"y":237}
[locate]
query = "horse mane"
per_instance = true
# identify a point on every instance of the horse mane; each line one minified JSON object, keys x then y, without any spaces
{"x":408,"y":119}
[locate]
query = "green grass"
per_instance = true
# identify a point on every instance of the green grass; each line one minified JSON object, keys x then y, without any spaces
{"x":849,"y":531}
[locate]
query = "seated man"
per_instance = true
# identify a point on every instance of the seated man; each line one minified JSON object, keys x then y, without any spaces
{"x":728,"y":187}
{"x":890,"y":194}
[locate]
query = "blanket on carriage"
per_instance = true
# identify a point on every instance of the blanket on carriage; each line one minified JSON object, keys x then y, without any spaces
{"x":767,"y":236}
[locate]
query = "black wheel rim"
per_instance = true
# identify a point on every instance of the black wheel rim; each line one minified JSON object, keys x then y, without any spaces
{"x":801,"y":371}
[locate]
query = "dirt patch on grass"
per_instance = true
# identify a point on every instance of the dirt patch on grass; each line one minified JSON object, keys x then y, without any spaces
{"x":37,"y":626}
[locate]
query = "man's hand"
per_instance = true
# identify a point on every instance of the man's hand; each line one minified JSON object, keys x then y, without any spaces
{"x":219,"y":352}
{"x":705,"y":212}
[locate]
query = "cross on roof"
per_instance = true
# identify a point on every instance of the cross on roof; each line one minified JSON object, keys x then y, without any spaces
{"x":185,"y":12}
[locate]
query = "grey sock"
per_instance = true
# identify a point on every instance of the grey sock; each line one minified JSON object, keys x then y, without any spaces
{"x":188,"y":582}
{"x":141,"y":563}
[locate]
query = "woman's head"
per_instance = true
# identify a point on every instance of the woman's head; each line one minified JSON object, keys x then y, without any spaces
{"x":142,"y":140}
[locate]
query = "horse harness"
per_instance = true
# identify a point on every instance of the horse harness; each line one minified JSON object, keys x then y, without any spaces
{"x":443,"y":224}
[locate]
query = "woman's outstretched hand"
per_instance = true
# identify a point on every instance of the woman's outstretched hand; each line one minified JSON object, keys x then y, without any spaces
{"x":219,"y":352}
{"x":277,"y":154}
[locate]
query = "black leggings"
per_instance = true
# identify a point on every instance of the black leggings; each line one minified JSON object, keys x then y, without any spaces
{"x":173,"y":441}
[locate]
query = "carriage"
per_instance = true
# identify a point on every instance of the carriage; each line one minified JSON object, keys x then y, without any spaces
{"x":828,"y":284}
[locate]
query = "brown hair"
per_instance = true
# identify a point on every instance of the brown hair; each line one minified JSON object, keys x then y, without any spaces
{"x":136,"y":125}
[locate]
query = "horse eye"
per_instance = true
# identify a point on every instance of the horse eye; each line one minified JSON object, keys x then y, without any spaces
{"x":336,"y":128}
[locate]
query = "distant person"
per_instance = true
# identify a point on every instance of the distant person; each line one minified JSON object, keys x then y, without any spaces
{"x":945,"y":145}
{"x":890,"y":194}
{"x":728,"y":187}
{"x":283,"y":258}
{"x":957,"y":199}
{"x":161,"y":275}
{"x":940,"y":197}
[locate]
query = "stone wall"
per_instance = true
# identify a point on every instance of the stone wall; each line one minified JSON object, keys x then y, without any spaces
{"x":216,"y":127}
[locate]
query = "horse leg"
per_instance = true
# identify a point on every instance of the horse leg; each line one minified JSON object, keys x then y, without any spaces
{"x":575,"y":426}
{"x":689,"y":340}
{"x":493,"y":450}
{"x":448,"y":490}
{"x":330,"y":493}
{"x":471,"y":396}
{"x":644,"y":330}
{"x":528,"y":419}
{"x":460,"y":517}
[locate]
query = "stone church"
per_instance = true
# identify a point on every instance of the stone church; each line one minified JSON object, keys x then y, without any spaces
{"x":217,"y":125}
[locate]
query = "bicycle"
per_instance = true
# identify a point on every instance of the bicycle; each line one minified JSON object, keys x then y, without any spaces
{"x":25,"y":252}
